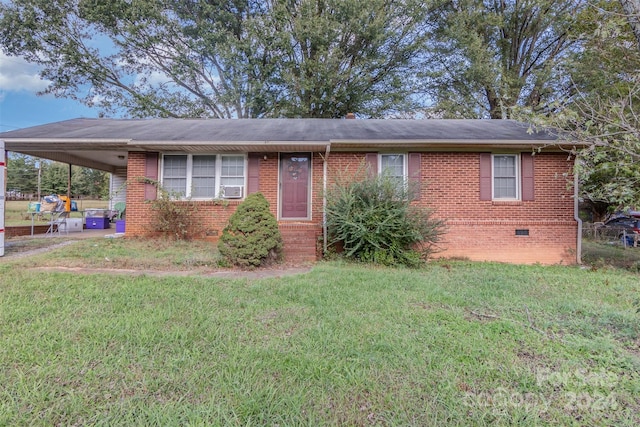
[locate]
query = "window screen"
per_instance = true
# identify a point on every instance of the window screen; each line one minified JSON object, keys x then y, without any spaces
{"x":232,"y":171}
{"x":174,"y":174}
{"x":392,"y":165}
{"x":505,"y":177}
{"x":203,"y":182}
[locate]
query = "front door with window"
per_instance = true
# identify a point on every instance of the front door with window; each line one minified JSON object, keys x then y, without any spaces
{"x":295,"y":174}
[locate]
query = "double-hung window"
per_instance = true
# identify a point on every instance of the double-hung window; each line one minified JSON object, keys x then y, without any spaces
{"x":232,"y":172}
{"x":506,"y":177}
{"x":394,"y":166}
{"x":174,"y":175}
{"x":203,"y":176}
{"x":404,"y":168}
{"x":203,"y":180}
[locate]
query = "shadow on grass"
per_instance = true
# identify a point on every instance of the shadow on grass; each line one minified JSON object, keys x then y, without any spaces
{"x":18,"y":246}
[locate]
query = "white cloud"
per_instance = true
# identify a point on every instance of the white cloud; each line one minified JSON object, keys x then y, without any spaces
{"x":16,"y":75}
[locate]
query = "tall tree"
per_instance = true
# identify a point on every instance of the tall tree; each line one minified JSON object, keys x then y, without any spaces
{"x":606,"y":75}
{"x":22,"y":173}
{"x":490,"y":56}
{"x":221,"y":58}
{"x":602,"y":110}
{"x":90,"y":183}
{"x":340,"y":56}
{"x":55,"y":178}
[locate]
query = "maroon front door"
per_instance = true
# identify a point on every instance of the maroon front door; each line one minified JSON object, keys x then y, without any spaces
{"x":294,"y":185}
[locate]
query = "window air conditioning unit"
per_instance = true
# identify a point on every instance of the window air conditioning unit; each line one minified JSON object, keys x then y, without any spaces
{"x":232,"y":192}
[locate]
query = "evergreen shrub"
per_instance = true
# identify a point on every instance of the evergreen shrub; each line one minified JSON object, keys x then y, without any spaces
{"x":252,"y":237}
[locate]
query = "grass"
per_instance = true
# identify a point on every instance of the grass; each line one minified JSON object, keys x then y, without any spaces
{"x":16,"y":211}
{"x":601,"y":254}
{"x":454,"y":343}
{"x":129,"y":253}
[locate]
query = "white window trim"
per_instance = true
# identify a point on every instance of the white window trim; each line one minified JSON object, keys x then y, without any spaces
{"x":518,"y":178}
{"x":218,"y":172}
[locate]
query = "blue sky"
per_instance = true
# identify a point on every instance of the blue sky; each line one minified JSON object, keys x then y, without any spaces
{"x":20,"y":106}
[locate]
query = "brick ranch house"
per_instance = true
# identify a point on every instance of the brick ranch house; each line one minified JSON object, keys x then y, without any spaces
{"x":500,"y":201}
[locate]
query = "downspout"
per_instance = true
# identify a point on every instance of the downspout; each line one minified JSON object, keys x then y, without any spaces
{"x":576,"y":213}
{"x":325,"y":167}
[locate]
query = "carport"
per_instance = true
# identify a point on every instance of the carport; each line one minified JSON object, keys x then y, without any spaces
{"x":63,"y":142}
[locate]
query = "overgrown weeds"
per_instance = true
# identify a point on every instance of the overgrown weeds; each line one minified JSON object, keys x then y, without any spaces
{"x":174,"y":217}
{"x":604,"y":255}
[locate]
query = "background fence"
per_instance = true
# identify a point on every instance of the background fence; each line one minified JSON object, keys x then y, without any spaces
{"x":598,"y":232}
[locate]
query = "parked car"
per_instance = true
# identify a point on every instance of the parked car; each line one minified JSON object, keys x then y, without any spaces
{"x":621,"y":226}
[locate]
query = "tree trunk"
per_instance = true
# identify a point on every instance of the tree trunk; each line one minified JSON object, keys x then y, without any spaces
{"x":495,"y":108}
{"x":632,"y":10}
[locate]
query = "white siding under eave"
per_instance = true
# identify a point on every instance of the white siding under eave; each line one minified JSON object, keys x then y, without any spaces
{"x":117,"y":188}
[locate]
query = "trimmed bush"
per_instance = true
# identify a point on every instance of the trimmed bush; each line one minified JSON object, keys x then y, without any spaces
{"x":373,"y":220}
{"x":252,"y":237}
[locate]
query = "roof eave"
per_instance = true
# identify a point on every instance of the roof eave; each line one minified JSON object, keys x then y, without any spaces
{"x":547,"y":145}
{"x":69,"y":158}
{"x":228,"y":146}
{"x":52,"y":144}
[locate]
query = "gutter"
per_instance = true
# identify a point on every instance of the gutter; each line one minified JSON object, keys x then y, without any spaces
{"x":576,"y":215}
{"x":325,"y":166}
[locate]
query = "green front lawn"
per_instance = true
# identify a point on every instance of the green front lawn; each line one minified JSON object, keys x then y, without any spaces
{"x":453,"y":343}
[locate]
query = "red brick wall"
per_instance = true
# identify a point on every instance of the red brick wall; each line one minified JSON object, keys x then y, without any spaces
{"x":138,"y":212}
{"x":477,"y":230}
{"x":485,"y":230}
{"x":451,"y":182}
{"x":268,"y":183}
{"x":214,"y":215}
{"x":24,"y":230}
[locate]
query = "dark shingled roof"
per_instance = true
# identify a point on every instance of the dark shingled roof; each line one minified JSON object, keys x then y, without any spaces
{"x":212,"y":130}
{"x":105,"y":143}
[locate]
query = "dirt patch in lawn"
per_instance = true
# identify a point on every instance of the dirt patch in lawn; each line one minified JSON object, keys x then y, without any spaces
{"x":20,"y":249}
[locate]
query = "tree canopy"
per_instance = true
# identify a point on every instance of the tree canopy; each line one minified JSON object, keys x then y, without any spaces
{"x":601,"y":108}
{"x":222,"y":59}
{"x":632,"y":10}
{"x":490,"y":56}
